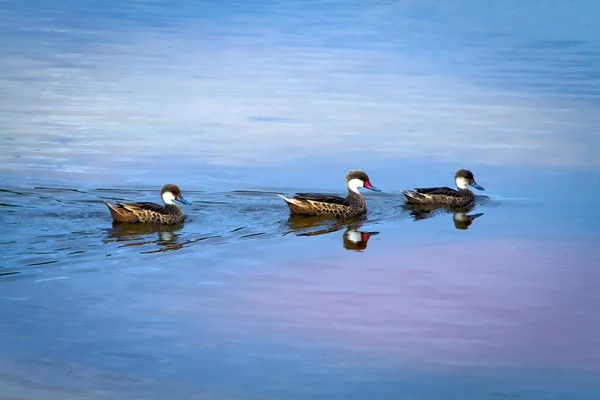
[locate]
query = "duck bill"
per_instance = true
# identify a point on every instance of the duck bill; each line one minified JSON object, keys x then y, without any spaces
{"x":476,"y":186}
{"x":371,"y":187}
{"x":183,"y":201}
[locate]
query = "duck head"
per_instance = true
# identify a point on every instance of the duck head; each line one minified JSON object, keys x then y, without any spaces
{"x":171,"y":193}
{"x":356,"y":179}
{"x":464,"y":178}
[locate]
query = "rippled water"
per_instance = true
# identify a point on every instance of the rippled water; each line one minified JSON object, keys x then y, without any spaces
{"x":238,"y":101}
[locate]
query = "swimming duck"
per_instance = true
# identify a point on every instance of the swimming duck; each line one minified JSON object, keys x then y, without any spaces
{"x":151,"y":213}
{"x":446,"y":196}
{"x":314,"y":204}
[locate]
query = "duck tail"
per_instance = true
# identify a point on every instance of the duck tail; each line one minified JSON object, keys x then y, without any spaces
{"x":114,"y":211}
{"x":295,"y":205}
{"x":289,"y":201}
{"x":413,"y":196}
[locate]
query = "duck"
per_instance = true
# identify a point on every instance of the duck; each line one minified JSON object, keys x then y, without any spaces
{"x":445,"y":196}
{"x":315,"y":204}
{"x":151,"y":213}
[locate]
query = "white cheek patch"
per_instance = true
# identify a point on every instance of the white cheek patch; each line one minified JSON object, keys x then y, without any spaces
{"x":462,"y":183}
{"x":168,"y":198}
{"x":354,"y":184}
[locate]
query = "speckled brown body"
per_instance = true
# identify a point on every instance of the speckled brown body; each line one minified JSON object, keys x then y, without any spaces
{"x":318,"y":205}
{"x":146,"y":213}
{"x":440,"y":196}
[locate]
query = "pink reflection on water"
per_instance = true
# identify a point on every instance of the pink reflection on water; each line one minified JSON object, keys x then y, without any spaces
{"x":496,"y":303}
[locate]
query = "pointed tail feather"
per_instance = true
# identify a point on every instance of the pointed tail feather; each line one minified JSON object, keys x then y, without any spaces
{"x":289,"y":201}
{"x":112,"y":209}
{"x":296,"y":206}
{"x":412,"y":195}
{"x":117,"y":215}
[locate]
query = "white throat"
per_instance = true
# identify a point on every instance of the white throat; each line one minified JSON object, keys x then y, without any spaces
{"x":168,"y":198}
{"x":461,"y":182}
{"x":354,"y":184}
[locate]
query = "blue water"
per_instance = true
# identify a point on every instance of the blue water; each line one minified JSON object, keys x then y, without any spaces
{"x":237,"y":101}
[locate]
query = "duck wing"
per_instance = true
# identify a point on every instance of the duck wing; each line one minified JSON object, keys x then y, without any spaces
{"x":143,"y":206}
{"x":322,"y":198}
{"x":438,"y":191}
{"x":432,"y":195}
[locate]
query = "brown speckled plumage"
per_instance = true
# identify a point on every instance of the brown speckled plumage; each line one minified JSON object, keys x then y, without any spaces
{"x":150,"y":213}
{"x":445,"y":196}
{"x":313,"y":204}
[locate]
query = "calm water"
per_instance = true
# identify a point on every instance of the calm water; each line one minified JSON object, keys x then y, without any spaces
{"x":236,"y":101}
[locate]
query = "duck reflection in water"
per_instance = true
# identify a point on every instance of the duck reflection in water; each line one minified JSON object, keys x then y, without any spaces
{"x":460,"y":215}
{"x":353,"y":238}
{"x":143,"y":235}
